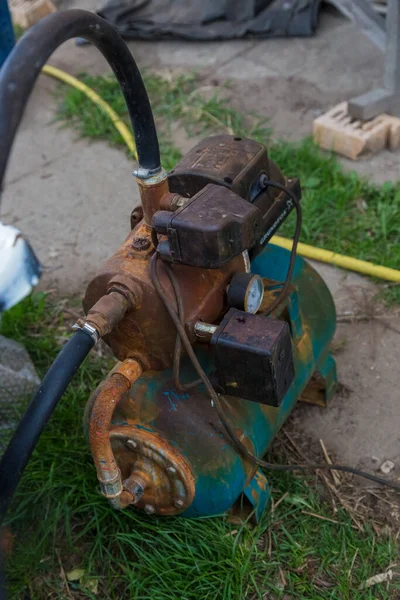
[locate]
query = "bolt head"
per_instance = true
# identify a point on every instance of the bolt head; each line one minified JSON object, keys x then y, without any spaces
{"x":263,"y":180}
{"x":141,"y":243}
{"x":149,"y":509}
{"x":132,"y":445}
{"x":178,"y":504}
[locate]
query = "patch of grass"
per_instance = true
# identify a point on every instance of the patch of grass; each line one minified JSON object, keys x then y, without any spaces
{"x":342,"y":211}
{"x":18,"y":31}
{"x":60,"y":518}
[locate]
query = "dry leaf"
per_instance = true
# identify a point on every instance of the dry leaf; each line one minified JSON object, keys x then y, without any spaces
{"x":80,"y":576}
{"x":75,"y":575}
{"x":380,"y":578}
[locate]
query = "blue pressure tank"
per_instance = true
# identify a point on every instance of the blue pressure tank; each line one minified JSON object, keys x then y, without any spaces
{"x":163,"y":420}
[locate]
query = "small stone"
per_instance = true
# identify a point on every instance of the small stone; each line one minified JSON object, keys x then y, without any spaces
{"x":387,"y":467}
{"x":18,"y":382}
{"x":149,"y":509}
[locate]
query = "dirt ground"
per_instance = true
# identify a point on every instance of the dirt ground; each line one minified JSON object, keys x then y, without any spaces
{"x":73,"y":200}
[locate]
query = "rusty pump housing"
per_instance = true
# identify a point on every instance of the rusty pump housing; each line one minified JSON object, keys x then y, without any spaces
{"x":176,"y":432}
{"x":157,"y":444}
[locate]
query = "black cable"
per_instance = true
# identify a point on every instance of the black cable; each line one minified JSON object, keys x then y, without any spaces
{"x":154,"y":237}
{"x":238,"y":444}
{"x":23,"y":66}
{"x":29,"y":430}
{"x":284,"y":291}
{"x":178,"y":344}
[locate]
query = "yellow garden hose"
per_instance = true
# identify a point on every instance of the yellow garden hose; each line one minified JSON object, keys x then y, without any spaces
{"x":339,"y":260}
{"x":96,"y":99}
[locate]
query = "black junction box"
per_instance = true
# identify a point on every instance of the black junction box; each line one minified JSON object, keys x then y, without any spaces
{"x":209,"y":230}
{"x":253,"y":356}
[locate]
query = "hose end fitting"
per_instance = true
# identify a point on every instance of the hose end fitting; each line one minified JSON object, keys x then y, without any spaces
{"x":108,"y":311}
{"x":152,"y":188}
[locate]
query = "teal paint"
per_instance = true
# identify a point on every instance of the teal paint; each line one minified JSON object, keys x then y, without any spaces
{"x":258,"y":494}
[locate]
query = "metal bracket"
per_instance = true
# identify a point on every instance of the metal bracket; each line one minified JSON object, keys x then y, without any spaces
{"x":387,"y":98}
{"x":258,"y":494}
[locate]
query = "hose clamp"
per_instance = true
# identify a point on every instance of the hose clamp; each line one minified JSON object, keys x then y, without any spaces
{"x":143,"y":173}
{"x":87,"y":328}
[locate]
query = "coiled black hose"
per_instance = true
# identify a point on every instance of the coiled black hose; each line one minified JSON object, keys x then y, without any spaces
{"x":29,"y":430}
{"x":21,"y":69}
{"x":17,"y":78}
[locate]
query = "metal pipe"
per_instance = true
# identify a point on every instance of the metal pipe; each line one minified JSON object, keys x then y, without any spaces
{"x":24,"y":64}
{"x":204,"y":331}
{"x":112,"y":390}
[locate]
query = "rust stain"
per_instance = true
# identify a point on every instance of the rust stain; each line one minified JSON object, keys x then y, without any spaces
{"x":147,"y":333}
{"x":113,"y":389}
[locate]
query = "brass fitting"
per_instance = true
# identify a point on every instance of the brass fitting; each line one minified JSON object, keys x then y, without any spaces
{"x":108,"y":311}
{"x":172,"y":202}
{"x":152,"y":189}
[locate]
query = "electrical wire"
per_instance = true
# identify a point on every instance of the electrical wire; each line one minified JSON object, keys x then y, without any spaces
{"x":178,"y":344}
{"x":215,"y":402}
{"x":285,"y":289}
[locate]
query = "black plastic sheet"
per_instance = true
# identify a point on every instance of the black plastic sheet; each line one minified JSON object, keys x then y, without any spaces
{"x":212,"y":19}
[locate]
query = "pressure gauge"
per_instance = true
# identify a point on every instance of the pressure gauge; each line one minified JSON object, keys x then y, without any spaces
{"x":246,"y":292}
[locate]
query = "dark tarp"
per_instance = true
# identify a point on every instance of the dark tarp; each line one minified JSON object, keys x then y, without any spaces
{"x":212,"y":19}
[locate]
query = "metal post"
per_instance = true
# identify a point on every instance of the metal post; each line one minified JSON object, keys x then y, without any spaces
{"x":7,"y":39}
{"x":392,"y":58}
{"x":386,"y":99}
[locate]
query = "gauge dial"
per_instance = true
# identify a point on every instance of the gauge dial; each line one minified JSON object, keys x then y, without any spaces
{"x":254,"y":295}
{"x":246,"y":292}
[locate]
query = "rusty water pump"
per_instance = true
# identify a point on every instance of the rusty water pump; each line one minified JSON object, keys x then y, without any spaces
{"x":158,"y":443}
{"x":217,"y":331}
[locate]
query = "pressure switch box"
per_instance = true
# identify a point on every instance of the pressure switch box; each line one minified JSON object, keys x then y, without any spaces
{"x":209,"y":230}
{"x":253,"y":356}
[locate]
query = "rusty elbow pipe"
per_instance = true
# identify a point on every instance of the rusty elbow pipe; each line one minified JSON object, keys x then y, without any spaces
{"x":115,"y":386}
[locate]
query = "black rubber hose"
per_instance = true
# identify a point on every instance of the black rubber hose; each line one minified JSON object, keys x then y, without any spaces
{"x":29,"y":430}
{"x":21,"y":69}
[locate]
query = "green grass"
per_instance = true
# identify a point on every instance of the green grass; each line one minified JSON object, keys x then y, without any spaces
{"x":60,"y":518}
{"x":342,"y":211}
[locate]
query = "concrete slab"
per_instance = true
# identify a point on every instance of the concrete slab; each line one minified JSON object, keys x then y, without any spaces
{"x":339,"y":58}
{"x":360,"y":427}
{"x":71,"y":198}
